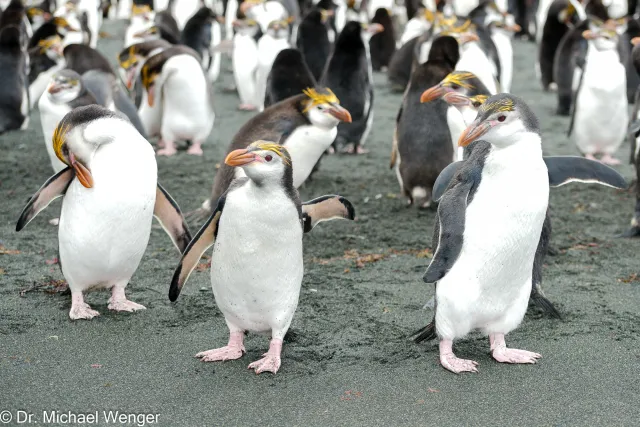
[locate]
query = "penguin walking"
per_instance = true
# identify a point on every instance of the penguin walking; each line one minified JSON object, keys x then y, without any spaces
{"x":289,"y":76}
{"x":349,"y":75}
{"x":257,"y":286}
{"x":202,"y":33}
{"x":110,"y":195}
{"x":269,"y":46}
{"x":175,"y":79}
{"x":313,"y":41}
{"x":245,"y":63}
{"x":422,"y":144}
{"x":383,"y":44}
{"x":488,"y":228}
{"x":600,"y":117}
{"x":45,"y":59}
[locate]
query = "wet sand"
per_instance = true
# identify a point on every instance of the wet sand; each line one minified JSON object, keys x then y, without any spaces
{"x":348,"y":360}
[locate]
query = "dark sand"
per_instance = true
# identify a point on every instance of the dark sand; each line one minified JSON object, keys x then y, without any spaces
{"x":348,"y":361}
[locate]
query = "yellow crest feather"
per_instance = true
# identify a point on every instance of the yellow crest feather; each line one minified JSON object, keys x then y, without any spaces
{"x":479,"y":99}
{"x":503,"y":105}
{"x":276,"y":148}
{"x":131,"y":60}
{"x":45,"y":44}
{"x":458,"y":78}
{"x":59,"y":136}
{"x":316,"y":98}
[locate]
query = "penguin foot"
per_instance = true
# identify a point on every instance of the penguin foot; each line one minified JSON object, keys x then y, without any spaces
{"x":355,"y":150}
{"x":80,"y":309}
{"x":590,"y":157}
{"x":247,"y":107}
{"x":119,"y":302}
{"x":607,"y":159}
{"x":501,"y":353}
{"x":232,"y":351}
{"x":271,"y":360}
{"x":452,"y":363}
{"x":195,"y":150}
{"x":167,"y":151}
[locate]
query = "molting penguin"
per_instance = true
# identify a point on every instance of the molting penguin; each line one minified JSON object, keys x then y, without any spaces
{"x":110,"y":194}
{"x":202,"y":33}
{"x":269,"y":45}
{"x":289,"y":76}
{"x":488,"y":228}
{"x":305,"y":124}
{"x":349,"y":74}
{"x":313,"y":41}
{"x":422,"y":145}
{"x":257,"y":286}
{"x":383,"y":44}
{"x":600,"y":117}
{"x":45,"y":59}
{"x":245,"y":62}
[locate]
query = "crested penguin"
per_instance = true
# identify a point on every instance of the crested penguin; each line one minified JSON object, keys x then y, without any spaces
{"x":383,"y":44}
{"x":244,"y":58}
{"x":349,"y":74}
{"x":45,"y":59}
{"x":313,"y":41}
{"x":270,"y":44}
{"x":257,"y":286}
{"x":264,"y":12}
{"x":488,"y":229}
{"x":289,"y":76}
{"x":110,"y":195}
{"x":202,"y":33}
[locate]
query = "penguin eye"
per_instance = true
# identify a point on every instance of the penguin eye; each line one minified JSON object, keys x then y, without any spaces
{"x":502,"y":118}
{"x":455,"y":87}
{"x":268,"y":157}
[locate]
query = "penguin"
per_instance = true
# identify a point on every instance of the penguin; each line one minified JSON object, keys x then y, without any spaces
{"x":417,"y":25}
{"x":37,"y":16}
{"x":202,"y":33}
{"x":130,"y":62}
{"x":349,"y":74}
{"x":313,"y":41}
{"x":110,"y":194}
{"x":488,"y":227}
{"x":289,"y":76}
{"x":633,"y":78}
{"x":422,"y":143}
{"x":257,"y":286}
{"x":182,"y":11}
{"x":45,"y":59}
{"x":57,"y":26}
{"x":264,"y":12}
{"x":270,"y":44}
{"x":174,"y":79}
{"x":14,"y":66}
{"x":167,"y":26}
{"x":16,"y":14}
{"x":634,"y":136}
{"x":402,"y":63}
{"x":382,"y":45}
{"x":600,"y":118}
{"x":82,"y":58}
{"x":142,"y":18}
{"x":503,"y":28}
{"x":245,"y":63}
{"x":70,"y":14}
{"x":305,"y":124}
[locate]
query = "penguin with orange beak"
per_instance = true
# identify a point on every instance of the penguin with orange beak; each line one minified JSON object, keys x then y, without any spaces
{"x":257,"y":285}
{"x":111,"y":194}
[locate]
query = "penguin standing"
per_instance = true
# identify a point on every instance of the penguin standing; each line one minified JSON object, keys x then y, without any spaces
{"x":269,"y":45}
{"x":289,"y":76}
{"x":488,"y":229}
{"x":14,"y":63}
{"x":110,"y":194}
{"x":313,"y":41}
{"x":600,"y":117}
{"x":349,"y":75}
{"x":45,"y":59}
{"x":202,"y":33}
{"x":175,"y":79}
{"x":383,"y":44}
{"x":257,"y":286}
{"x":245,"y":63}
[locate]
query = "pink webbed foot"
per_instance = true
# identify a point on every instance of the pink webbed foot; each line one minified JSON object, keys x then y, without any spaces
{"x":169,"y":149}
{"x":502,"y":354}
{"x":247,"y":107}
{"x":195,"y":149}
{"x":452,"y":363}
{"x":119,"y":302}
{"x":360,"y":150}
{"x":271,"y":360}
{"x":232,"y":351}
{"x":607,"y":159}
{"x":80,"y":309}
{"x":590,"y":157}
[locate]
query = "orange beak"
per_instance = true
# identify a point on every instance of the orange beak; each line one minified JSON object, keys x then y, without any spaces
{"x":472,"y":133}
{"x":83,"y":174}
{"x":589,"y":35}
{"x":54,"y":88}
{"x":340,"y":113}
{"x":239,"y":158}
{"x":635,"y":41}
{"x":514,"y":28}
{"x":455,"y":98}
{"x":468,"y":37}
{"x":434,"y":92}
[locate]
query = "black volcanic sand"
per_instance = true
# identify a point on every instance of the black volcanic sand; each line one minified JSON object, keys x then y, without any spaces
{"x":348,"y":360}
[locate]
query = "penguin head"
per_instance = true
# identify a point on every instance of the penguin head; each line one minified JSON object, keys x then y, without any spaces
{"x":63,"y":26}
{"x":65,"y":86}
{"x":80,"y":133}
{"x":323,"y":108}
{"x":500,"y":120}
{"x":152,"y":32}
{"x":52,"y":47}
{"x":604,"y":35}
{"x":141,"y":11}
{"x":37,"y":16}
{"x":458,"y":99}
{"x":246,"y":27}
{"x":279,"y":29}
{"x":462,"y":82}
{"x":263,"y":162}
{"x":248,"y":7}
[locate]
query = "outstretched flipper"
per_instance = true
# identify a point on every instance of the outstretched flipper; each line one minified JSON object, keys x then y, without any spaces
{"x":204,"y":239}
{"x":168,"y":213}
{"x":566,"y":169}
{"x":55,"y":187}
{"x":325,"y":208}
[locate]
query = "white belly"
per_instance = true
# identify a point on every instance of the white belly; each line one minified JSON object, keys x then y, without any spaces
{"x":245,"y":62}
{"x":505,"y":53}
{"x":229,"y":17}
{"x":50,"y":116}
{"x":456,"y":123}
{"x":268,"y":49}
{"x":104,"y":230}
{"x":216,"y":38}
{"x":306,"y":145}
{"x":150,"y":116}
{"x":541,"y":17}
{"x":474,"y":60}
{"x":183,"y":10}
{"x":414,"y":28}
{"x":256,"y":284}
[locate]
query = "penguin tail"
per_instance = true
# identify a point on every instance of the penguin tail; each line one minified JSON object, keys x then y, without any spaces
{"x":541,"y":301}
{"x":421,"y":197}
{"x":427,"y":333}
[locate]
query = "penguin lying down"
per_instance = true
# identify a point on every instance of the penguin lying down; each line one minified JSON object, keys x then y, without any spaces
{"x":256,"y":284}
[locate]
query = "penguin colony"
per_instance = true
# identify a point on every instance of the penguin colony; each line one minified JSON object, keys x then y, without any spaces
{"x":304,"y":72}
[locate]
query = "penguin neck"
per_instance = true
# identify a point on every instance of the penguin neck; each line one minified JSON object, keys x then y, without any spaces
{"x":522,"y":144}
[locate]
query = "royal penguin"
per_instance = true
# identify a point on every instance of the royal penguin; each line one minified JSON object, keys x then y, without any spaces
{"x":305,"y":124}
{"x":289,"y":76}
{"x":70,"y":14}
{"x":244,"y":59}
{"x":488,"y":228}
{"x":270,"y":44}
{"x":503,"y":28}
{"x":202,"y":33}
{"x":313,"y":41}
{"x":383,"y":44}
{"x":182,"y":10}
{"x":600,"y":118}
{"x":15,"y":13}
{"x":175,"y":81}
{"x":110,"y":195}
{"x":349,"y":75}
{"x":422,"y":143}
{"x":257,"y":286}
{"x":45,"y":59}
{"x":130,"y":62}
{"x":38,"y":16}
{"x":417,"y":25}
{"x":168,"y":27}
{"x":264,"y":12}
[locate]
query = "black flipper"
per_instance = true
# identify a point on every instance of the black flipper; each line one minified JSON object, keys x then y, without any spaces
{"x":444,"y":179}
{"x":541,"y":301}
{"x":566,"y":169}
{"x":425,"y":334}
{"x":168,"y":213}
{"x":326,"y":208}
{"x":55,"y":187}
{"x":574,"y":103}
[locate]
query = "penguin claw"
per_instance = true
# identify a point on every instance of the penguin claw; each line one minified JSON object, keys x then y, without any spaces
{"x":125,"y":305}
{"x":221,"y":354}
{"x":456,"y":365}
{"x":83,"y":311}
{"x":270,"y":363}
{"x":513,"y":355}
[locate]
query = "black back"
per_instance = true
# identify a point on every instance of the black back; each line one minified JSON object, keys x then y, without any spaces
{"x":197,"y":31}
{"x":382,"y":45}
{"x":289,"y":76}
{"x":401,"y":64}
{"x":313,"y":42}
{"x":46,"y":30}
{"x":82,"y":58}
{"x":167,"y":26}
{"x":552,"y":33}
{"x":13,"y":67}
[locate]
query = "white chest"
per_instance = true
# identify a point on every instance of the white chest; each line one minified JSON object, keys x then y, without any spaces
{"x":306,"y":145}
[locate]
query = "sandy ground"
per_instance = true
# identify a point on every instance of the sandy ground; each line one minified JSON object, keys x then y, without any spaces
{"x":348,"y":360}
